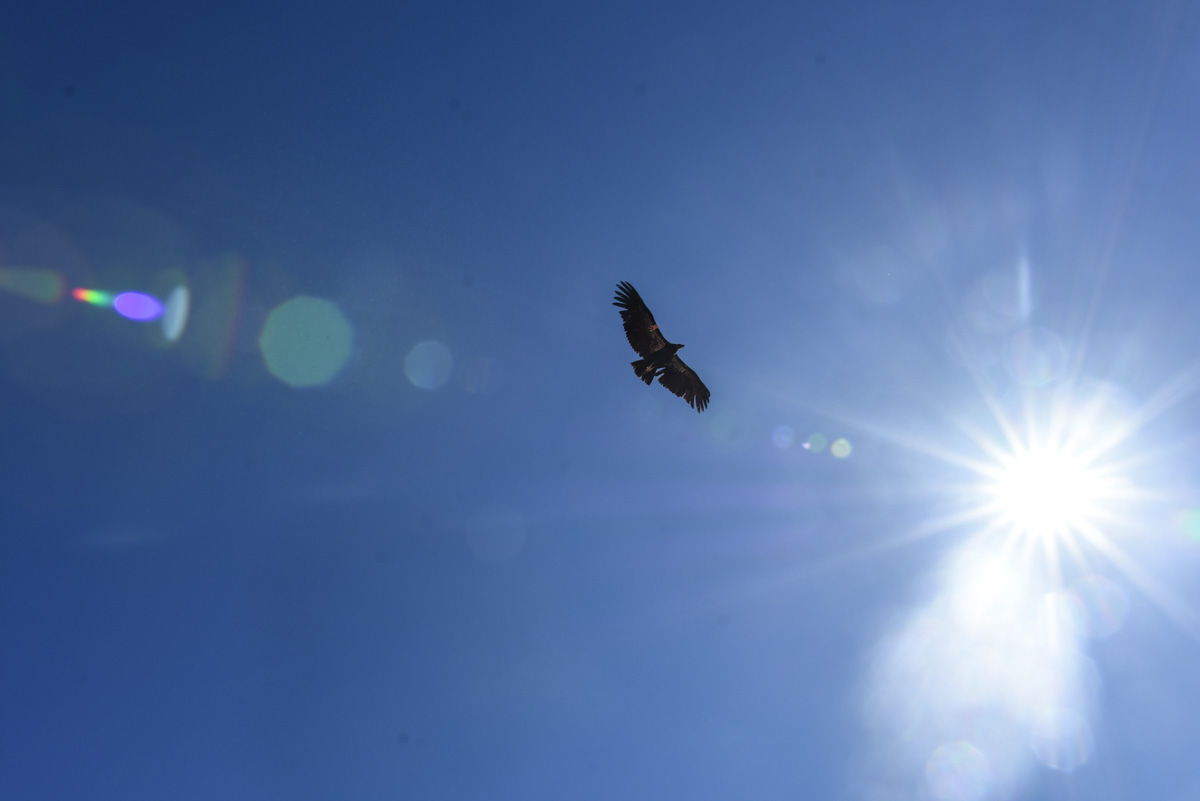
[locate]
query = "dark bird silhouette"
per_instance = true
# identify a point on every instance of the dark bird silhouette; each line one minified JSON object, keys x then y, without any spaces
{"x":658,"y":355}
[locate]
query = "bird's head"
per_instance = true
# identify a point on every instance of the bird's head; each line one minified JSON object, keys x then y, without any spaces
{"x":681,"y":345}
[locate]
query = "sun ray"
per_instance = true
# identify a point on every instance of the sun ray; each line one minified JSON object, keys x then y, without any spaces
{"x":1165,"y":599}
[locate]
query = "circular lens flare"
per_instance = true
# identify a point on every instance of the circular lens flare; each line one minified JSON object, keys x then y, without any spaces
{"x":137,"y":306}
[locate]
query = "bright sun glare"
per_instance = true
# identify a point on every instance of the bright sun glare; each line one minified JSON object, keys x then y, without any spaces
{"x":999,"y":654}
{"x":1046,"y":491}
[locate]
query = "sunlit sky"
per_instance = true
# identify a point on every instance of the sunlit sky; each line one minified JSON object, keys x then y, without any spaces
{"x":324,"y":473}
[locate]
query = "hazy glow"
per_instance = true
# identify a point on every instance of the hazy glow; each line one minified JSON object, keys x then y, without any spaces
{"x":841,"y":448}
{"x":44,"y":286}
{"x":1024,"y":289}
{"x":216,"y":296}
{"x":729,"y":427}
{"x":1062,"y":739}
{"x":992,"y":664}
{"x":783,"y":436}
{"x":482,"y":376}
{"x":1035,"y":357}
{"x":1101,"y":606}
{"x":957,"y":772}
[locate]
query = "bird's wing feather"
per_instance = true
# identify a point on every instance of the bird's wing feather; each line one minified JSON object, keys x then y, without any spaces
{"x":683,"y":381}
{"x":640,"y":328}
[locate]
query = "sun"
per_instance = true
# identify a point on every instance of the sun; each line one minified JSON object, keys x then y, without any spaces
{"x":1062,"y":470}
{"x":1046,"y":491}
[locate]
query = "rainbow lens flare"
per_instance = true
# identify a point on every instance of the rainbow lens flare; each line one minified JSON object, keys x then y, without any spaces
{"x":93,"y":296}
{"x":130,"y":305}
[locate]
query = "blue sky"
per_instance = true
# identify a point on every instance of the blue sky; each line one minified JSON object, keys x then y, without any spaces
{"x":474,"y":557}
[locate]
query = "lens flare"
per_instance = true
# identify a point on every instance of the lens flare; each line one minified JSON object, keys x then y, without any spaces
{"x":130,"y":305}
{"x":175,"y":315}
{"x":306,"y":341}
{"x":92,"y":296}
{"x":429,"y":364}
{"x":783,"y":436}
{"x":137,"y":306}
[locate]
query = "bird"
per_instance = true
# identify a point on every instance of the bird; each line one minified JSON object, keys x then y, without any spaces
{"x":659,"y":357}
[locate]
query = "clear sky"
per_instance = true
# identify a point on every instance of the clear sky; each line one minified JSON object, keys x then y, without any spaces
{"x":373,"y":507}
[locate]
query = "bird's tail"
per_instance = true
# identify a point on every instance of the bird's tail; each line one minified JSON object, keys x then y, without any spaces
{"x":644,"y":370}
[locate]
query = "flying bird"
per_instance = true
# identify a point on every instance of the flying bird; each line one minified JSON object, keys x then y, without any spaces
{"x":659,"y":357}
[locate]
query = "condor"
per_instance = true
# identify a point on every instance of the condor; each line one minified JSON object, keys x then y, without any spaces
{"x":659,"y":357}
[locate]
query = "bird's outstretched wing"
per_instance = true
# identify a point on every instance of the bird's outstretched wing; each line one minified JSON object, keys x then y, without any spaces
{"x":640,"y":328}
{"x":683,"y":381}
